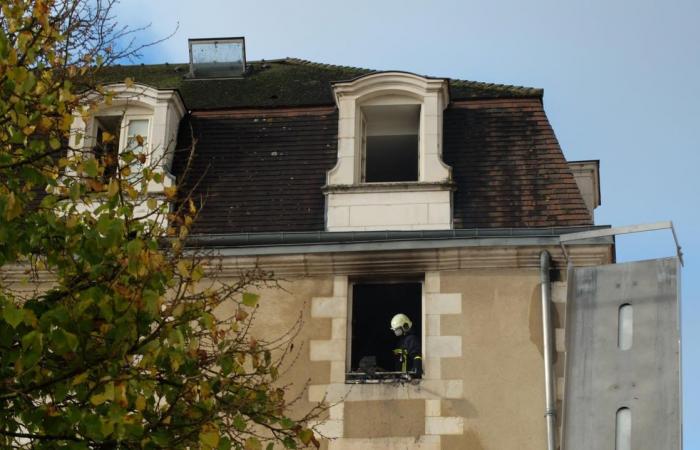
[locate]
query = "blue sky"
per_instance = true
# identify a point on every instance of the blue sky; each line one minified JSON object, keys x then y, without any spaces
{"x":621,"y":82}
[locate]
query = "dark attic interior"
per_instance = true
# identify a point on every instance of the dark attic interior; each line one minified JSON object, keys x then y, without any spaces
{"x":373,"y":306}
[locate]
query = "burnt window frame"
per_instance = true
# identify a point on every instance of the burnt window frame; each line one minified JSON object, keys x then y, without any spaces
{"x":404,"y":279}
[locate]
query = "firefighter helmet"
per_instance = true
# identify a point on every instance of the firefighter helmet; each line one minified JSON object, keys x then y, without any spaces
{"x":400,"y":324}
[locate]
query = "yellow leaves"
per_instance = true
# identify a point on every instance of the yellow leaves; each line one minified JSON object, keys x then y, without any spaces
{"x":241,"y":315}
{"x":197,"y":273}
{"x":113,"y":187}
{"x":107,"y":137}
{"x":72,"y":221}
{"x":306,"y":436}
{"x":140,"y":403}
{"x":13,"y":208}
{"x":170,"y":192}
{"x":178,"y":310}
{"x":183,"y":268}
{"x":95,"y":185}
{"x":129,"y":82}
{"x":132,"y":193}
{"x":253,"y":443}
{"x":120,"y":395}
{"x":66,"y":121}
{"x":107,"y":394}
{"x":80,"y":379}
{"x":152,"y":203}
{"x":209,"y":437}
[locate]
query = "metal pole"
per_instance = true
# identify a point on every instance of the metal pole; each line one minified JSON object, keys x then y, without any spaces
{"x":550,"y":412}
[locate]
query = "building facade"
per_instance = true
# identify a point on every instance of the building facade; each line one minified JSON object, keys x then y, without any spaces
{"x":375,"y":193}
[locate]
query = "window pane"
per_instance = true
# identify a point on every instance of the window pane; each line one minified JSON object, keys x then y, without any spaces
{"x":223,"y":58}
{"x":137,"y":127}
{"x":391,"y":158}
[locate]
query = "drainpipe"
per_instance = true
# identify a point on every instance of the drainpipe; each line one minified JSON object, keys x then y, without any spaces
{"x":550,"y":412}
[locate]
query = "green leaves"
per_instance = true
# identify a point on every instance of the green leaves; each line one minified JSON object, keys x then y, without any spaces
{"x":63,"y":342}
{"x":253,"y":443}
{"x":250,"y":299}
{"x":12,"y":314}
{"x":105,"y":395}
{"x":108,"y":332}
{"x":32,"y":346}
{"x":209,"y":438}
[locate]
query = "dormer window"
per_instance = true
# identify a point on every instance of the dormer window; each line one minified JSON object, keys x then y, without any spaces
{"x":390,"y":141}
{"x":389,"y":174}
{"x":139,"y":119}
{"x":117,"y":134}
{"x":107,"y":143}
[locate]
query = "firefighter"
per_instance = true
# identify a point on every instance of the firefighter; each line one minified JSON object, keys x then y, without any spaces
{"x":407,"y":352}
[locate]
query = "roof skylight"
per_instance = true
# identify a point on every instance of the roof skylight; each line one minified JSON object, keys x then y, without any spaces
{"x":217,"y":58}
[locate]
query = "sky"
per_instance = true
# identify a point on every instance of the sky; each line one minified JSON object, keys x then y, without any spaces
{"x":621,"y":84}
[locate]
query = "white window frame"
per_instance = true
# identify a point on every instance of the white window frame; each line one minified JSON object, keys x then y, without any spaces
{"x":362,"y":150}
{"x":124,"y":131}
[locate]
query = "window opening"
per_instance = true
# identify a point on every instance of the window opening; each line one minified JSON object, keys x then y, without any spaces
{"x":137,"y":142}
{"x":625,"y":327}
{"x":373,"y":342}
{"x":107,"y":143}
{"x":623,"y":429}
{"x":390,"y":143}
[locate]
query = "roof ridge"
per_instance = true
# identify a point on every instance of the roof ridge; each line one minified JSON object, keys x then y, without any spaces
{"x":307,"y":62}
{"x":498,"y":86}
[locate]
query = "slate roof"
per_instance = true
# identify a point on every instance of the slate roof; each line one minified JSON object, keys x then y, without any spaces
{"x":264,"y":143}
{"x":508,"y":167}
{"x":262,"y":170}
{"x":286,"y":82}
{"x":259,"y":172}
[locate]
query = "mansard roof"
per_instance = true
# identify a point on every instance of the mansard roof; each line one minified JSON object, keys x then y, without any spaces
{"x":262,"y":170}
{"x":265,"y":141}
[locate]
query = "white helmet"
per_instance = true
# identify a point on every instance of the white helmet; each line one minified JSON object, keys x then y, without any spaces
{"x":400,"y":324}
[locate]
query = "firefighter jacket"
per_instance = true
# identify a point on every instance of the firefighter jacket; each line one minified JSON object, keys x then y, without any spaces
{"x":408,"y":355}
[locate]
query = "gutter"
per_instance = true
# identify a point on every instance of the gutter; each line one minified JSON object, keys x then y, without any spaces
{"x":279,"y":243}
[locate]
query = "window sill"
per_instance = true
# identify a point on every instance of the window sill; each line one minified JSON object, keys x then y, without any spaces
{"x":395,"y":378}
{"x":397,"y":186}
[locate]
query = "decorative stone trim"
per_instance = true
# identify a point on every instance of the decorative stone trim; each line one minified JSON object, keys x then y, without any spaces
{"x":437,"y":347}
{"x":352,"y":204}
{"x":432,"y":388}
{"x":333,"y":350}
{"x":387,"y":443}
